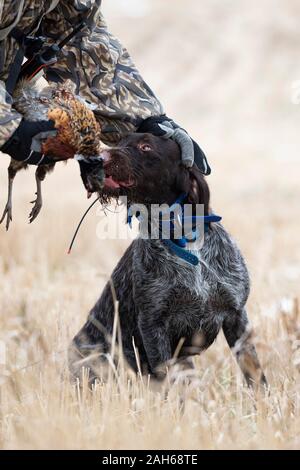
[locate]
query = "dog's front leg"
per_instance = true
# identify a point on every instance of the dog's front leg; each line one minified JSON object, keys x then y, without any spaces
{"x":156,"y":341}
{"x":239,"y":336}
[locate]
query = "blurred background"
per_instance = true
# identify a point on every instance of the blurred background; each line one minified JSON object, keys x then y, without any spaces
{"x":229,"y":72}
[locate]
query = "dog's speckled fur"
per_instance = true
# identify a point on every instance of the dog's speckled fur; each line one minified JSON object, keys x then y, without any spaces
{"x":162,"y":298}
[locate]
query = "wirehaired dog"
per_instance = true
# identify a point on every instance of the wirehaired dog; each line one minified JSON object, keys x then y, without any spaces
{"x":165,"y":301}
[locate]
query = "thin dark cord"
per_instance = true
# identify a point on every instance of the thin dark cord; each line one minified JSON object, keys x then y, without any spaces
{"x":79,"y":225}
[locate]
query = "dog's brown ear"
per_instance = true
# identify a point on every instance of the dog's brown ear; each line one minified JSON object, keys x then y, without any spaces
{"x":191,"y":182}
{"x":182,"y":183}
{"x":198,"y":191}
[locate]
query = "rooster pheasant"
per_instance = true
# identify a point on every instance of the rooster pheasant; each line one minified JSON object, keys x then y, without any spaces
{"x":77,"y":133}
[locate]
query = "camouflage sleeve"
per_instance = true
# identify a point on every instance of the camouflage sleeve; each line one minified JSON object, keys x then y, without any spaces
{"x":101,"y":68}
{"x":9,"y":118}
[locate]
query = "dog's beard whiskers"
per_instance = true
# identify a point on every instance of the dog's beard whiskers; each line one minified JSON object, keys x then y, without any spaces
{"x":107,"y":199}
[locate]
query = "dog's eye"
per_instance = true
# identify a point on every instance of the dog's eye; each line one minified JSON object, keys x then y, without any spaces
{"x":145,"y":147}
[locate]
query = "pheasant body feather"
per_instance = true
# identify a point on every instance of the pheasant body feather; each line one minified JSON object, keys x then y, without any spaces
{"x":78,"y":131}
{"x":77,"y":127}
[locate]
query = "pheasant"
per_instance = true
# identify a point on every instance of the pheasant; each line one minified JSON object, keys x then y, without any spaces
{"x":77,"y":134}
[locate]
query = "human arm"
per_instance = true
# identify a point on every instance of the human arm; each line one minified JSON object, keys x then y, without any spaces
{"x":101,"y":69}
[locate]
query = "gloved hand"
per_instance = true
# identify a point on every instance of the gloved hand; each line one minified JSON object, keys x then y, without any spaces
{"x":191,"y":153}
{"x":25,"y":143}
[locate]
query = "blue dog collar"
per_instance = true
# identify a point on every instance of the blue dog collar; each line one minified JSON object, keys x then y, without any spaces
{"x":179,"y":245}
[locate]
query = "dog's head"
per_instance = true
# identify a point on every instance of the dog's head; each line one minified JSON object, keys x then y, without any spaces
{"x":148,"y":170}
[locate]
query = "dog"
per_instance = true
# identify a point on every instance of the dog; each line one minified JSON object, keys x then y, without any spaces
{"x":164,"y":300}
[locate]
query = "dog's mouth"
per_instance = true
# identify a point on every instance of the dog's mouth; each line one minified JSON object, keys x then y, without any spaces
{"x":112,"y":183}
{"x":115,"y":174}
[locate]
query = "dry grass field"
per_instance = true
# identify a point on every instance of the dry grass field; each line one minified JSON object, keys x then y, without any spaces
{"x":225,"y":70}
